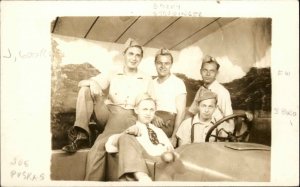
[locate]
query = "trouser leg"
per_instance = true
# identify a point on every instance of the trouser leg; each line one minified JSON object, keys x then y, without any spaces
{"x":169,"y":121}
{"x":118,"y":121}
{"x":85,"y":107}
{"x":130,"y":156}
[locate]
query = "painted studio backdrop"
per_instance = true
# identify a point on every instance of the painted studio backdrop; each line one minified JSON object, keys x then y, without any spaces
{"x":86,"y":46}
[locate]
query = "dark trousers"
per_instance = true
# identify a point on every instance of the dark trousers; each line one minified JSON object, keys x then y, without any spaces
{"x":117,"y":119}
{"x":169,"y":120}
{"x":132,"y":156}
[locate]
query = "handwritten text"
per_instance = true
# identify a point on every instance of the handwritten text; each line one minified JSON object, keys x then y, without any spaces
{"x":22,"y":170}
{"x":173,"y":9}
{"x":11,"y":56}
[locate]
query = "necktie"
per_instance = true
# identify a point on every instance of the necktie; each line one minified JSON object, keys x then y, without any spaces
{"x":152,"y":135}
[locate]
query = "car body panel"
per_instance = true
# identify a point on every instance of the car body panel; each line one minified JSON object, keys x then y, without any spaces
{"x":216,"y":162}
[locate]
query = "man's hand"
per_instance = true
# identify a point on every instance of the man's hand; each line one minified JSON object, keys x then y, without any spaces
{"x":249,"y":115}
{"x":95,"y":89}
{"x":158,"y":122}
{"x":173,"y":140}
{"x":133,"y":130}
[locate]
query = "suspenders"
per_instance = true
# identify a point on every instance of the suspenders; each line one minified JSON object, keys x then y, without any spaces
{"x":193,"y":128}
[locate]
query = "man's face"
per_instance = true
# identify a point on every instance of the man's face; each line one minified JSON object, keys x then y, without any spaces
{"x":145,"y":111}
{"x":132,"y":57}
{"x":209,"y":72}
{"x":207,"y":108}
{"x":163,"y":65}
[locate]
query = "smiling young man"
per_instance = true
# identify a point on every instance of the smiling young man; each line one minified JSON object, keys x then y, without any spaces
{"x":169,"y":93}
{"x":139,"y":142}
{"x":114,"y":110}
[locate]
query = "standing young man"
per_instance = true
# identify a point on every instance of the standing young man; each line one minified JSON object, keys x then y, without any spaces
{"x":169,"y":93}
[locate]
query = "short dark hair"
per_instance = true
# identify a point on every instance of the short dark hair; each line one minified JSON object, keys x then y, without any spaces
{"x":163,"y":52}
{"x":137,"y":46}
{"x":210,"y":60}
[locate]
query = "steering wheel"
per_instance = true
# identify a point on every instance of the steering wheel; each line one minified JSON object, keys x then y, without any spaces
{"x":231,"y":137}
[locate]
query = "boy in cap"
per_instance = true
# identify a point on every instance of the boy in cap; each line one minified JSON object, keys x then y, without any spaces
{"x":194,"y":129}
{"x":140,"y":141}
{"x":115,"y":110}
{"x":169,"y":93}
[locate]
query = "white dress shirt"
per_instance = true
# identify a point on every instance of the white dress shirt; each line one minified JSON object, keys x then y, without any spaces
{"x":153,"y":150}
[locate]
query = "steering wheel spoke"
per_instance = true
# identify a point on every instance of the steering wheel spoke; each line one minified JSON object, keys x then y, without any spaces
{"x":232,"y":137}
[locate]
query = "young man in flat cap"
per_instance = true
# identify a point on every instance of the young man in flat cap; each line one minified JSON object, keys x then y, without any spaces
{"x":194,"y":129}
{"x":169,"y":93}
{"x":115,"y":110}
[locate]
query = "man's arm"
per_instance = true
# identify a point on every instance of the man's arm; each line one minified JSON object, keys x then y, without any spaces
{"x":193,"y":109}
{"x":112,"y":143}
{"x":180,"y":107}
{"x":94,"y":87}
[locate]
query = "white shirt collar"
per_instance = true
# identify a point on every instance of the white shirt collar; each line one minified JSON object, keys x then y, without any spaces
{"x":213,"y":84}
{"x":138,"y":123}
{"x":196,"y":119}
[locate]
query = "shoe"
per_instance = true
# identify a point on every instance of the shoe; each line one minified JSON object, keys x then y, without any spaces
{"x":72,"y":134}
{"x":81,"y":142}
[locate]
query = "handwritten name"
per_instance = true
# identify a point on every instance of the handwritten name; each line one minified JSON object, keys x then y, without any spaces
{"x":284,"y":112}
{"x":283,"y":73}
{"x":22,"y":170}
{"x":172,"y":9}
{"x":10,"y":56}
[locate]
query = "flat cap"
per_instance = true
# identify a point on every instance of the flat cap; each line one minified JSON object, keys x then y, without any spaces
{"x":205,"y":94}
{"x":130,"y":43}
{"x":162,"y":51}
{"x":142,"y":97}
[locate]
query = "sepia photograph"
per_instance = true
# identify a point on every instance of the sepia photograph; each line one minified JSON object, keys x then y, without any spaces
{"x":149,"y":93}
{"x":161,"y":98}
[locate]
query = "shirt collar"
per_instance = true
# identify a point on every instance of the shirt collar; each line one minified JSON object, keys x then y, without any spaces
{"x":171,"y":75}
{"x":138,"y":75}
{"x":196,"y":120}
{"x":213,"y":84}
{"x":138,"y":123}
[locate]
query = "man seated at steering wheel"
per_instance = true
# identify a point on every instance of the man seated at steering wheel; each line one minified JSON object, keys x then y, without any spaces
{"x":194,"y":129}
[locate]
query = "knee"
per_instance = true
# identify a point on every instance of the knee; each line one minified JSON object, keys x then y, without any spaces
{"x":85,"y":90}
{"x":125,"y":138}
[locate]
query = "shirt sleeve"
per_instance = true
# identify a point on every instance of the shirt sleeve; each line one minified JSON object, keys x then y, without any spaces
{"x":181,"y":89}
{"x":193,"y":108}
{"x":224,"y":103}
{"x":111,"y":146}
{"x":103,"y":79}
{"x":151,"y":91}
{"x":184,"y":131}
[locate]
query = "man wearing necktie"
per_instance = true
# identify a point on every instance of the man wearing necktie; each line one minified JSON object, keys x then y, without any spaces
{"x":139,"y":142}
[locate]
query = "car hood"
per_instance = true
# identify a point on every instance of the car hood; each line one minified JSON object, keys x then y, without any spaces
{"x":218,"y":161}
